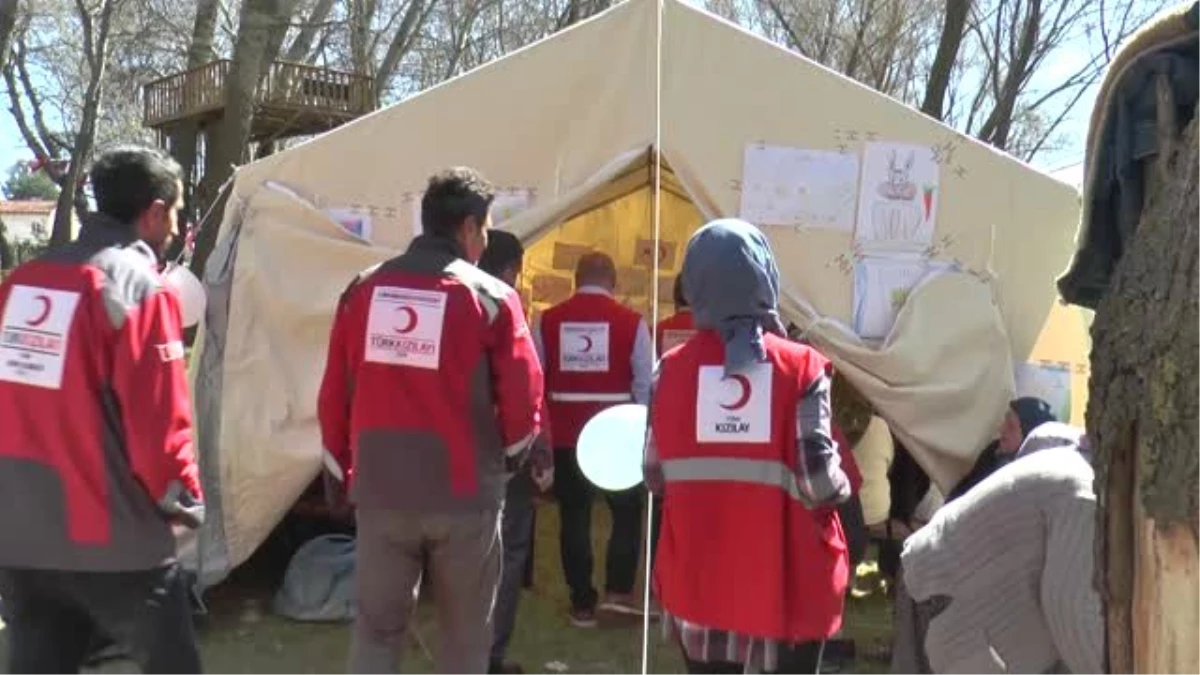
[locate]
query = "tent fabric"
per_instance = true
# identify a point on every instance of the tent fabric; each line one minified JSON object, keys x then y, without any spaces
{"x":260,"y":444}
{"x":581,"y":140}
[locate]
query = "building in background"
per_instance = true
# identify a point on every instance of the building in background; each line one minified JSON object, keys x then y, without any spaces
{"x":27,"y":226}
{"x":27,"y":221}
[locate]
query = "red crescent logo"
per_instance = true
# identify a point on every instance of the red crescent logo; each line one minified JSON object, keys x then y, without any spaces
{"x":40,"y":319}
{"x":410,"y":321}
{"x":744,"y":397}
{"x":587,"y":343}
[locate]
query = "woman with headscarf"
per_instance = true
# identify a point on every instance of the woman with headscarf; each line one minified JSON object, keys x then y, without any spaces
{"x":752,"y":567}
{"x":1023,"y":416}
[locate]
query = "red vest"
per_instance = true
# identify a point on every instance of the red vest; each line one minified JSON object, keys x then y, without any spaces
{"x":849,"y":463}
{"x":674,"y":331}
{"x":588,"y":341}
{"x":738,"y":550}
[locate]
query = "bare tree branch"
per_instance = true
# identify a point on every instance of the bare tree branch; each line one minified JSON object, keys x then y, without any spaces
{"x":793,"y":39}
{"x":97,"y":43}
{"x":300,"y":50}
{"x":996,"y":128}
{"x":416,"y":13}
{"x":54,"y":142}
{"x":18,"y":114}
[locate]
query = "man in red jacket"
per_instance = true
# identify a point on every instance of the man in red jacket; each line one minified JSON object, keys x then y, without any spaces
{"x":598,"y":354}
{"x":429,"y":401}
{"x":503,"y":259}
{"x":677,"y":328}
{"x":96,"y":461}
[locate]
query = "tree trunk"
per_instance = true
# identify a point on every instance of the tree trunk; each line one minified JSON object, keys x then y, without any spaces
{"x":185,"y":135}
{"x":8,"y":23}
{"x":954,"y":26}
{"x":95,"y":39}
{"x":204,"y":31}
{"x":262,"y":22}
{"x":1142,"y":421}
{"x":362,"y":13}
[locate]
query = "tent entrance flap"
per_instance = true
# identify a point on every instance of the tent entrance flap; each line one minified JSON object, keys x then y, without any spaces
{"x":616,"y":218}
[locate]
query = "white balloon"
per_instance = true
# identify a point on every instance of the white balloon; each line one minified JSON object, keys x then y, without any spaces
{"x":610,"y":447}
{"x":192,"y":299}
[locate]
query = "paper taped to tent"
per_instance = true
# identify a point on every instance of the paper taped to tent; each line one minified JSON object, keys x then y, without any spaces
{"x":883,"y":220}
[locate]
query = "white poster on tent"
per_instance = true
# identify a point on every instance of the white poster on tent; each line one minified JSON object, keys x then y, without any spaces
{"x":798,"y":187}
{"x":507,"y":203}
{"x":897,"y":206}
{"x":1050,"y":382}
{"x":882,"y":285}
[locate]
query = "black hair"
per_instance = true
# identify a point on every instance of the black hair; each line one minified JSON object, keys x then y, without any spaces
{"x":503,"y":251}
{"x":127,"y":179}
{"x":680,"y":298}
{"x":451,"y":197}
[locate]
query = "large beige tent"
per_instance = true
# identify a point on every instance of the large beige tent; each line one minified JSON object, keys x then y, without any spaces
{"x":582,"y":123}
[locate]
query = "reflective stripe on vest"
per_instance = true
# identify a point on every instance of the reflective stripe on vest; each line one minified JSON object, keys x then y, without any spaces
{"x":758,"y":471}
{"x":572,"y":397}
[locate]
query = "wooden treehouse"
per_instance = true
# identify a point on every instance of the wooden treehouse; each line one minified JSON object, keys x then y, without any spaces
{"x":293,"y":99}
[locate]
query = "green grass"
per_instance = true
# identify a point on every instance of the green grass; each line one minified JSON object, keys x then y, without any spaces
{"x":241,"y":636}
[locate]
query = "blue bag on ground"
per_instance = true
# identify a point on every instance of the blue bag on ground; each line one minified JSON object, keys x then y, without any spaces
{"x":319,"y":582}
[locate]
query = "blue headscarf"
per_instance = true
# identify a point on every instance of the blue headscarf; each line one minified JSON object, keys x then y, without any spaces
{"x":731,"y":282}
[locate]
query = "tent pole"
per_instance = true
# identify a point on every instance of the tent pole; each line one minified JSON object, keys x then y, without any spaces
{"x":657,"y":160}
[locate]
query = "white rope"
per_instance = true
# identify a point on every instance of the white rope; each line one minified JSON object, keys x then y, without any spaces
{"x":658,"y":45}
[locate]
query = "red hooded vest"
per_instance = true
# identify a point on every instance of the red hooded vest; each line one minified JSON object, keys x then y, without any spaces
{"x":738,"y":549}
{"x":588,"y":341}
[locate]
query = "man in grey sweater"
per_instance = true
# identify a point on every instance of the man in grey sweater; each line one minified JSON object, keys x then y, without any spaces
{"x":1011,"y":562}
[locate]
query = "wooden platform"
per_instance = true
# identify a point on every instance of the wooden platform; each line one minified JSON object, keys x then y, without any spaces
{"x":293,"y":99}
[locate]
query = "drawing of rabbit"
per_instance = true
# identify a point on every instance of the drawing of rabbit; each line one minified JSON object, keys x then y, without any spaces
{"x":898,"y":186}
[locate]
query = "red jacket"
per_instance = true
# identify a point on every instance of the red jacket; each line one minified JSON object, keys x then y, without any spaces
{"x":674,"y":331}
{"x":588,"y":341}
{"x":739,"y":551}
{"x":96,"y":450}
{"x":431,"y":383}
{"x":849,"y":463}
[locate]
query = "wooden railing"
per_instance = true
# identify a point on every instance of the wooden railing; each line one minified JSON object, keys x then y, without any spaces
{"x":290,"y":86}
{"x":299,"y":86}
{"x":191,"y":92}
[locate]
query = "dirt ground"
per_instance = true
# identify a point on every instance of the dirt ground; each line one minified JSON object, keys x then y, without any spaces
{"x":240,"y":635}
